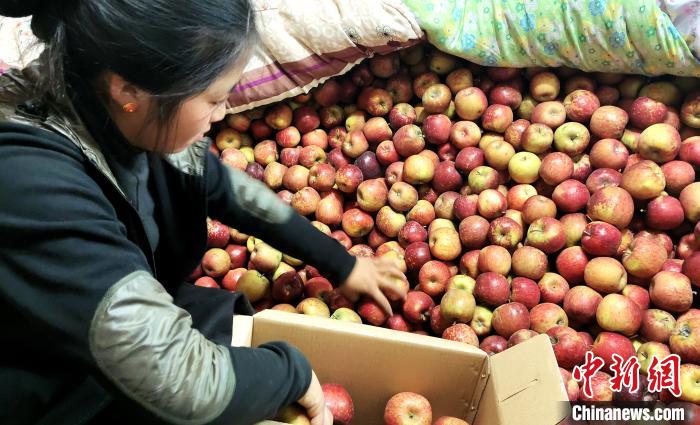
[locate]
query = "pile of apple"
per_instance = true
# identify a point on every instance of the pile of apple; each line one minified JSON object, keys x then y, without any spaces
{"x":517,"y":201}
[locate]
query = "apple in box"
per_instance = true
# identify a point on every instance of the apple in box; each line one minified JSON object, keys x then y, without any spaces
{"x":408,"y":408}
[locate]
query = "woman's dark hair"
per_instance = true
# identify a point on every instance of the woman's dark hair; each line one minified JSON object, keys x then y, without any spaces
{"x":173,"y":49}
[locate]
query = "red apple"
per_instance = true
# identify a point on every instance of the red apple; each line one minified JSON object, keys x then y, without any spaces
{"x":608,"y":343}
{"x":462,"y":333}
{"x":492,"y":289}
{"x":603,"y":177}
{"x":570,"y":195}
{"x":601,"y":239}
{"x":678,"y":175}
{"x":339,"y":402}
{"x":436,"y":98}
{"x":550,"y":113}
{"x":569,"y":348}
{"x":493,"y":344}
{"x":553,"y":288}
{"x":505,"y":95}
{"x":608,"y":122}
{"x":671,"y":291}
{"x":690,"y":199}
{"x":613,"y":205}
{"x":510,"y":318}
{"x":371,"y":312}
{"x":218,"y":234}
{"x":521,"y":336}
{"x":437,"y":128}
{"x":546,"y":234}
{"x":408,"y":408}
{"x":546,"y":316}
{"x":664,"y":213}
{"x":417,"y":306}
{"x":497,"y":118}
{"x":581,"y":303}
{"x":645,"y":112}
{"x":580,"y":105}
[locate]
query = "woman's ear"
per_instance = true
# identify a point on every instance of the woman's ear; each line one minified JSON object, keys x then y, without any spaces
{"x":122,"y":92}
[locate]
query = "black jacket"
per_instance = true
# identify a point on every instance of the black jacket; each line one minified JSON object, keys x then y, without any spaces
{"x":96,"y":328}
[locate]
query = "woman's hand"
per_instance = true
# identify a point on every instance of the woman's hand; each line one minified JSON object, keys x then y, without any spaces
{"x":374,"y":277}
{"x":315,"y":403}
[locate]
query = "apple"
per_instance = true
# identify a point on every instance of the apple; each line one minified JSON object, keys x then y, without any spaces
{"x":328,"y":93}
{"x":645,"y":112}
{"x":608,"y":95}
{"x":491,"y":289}
{"x":461,"y":332}
{"x":521,"y":336}
{"x":394,"y":173}
{"x":473,"y":231}
{"x":556,"y":167}
{"x":216,"y":262}
{"x":449,"y":420}
{"x":402,"y":196}
{"x":691,"y":268}
{"x":608,"y":343}
{"x":637,"y":294}
{"x":572,"y":388}
{"x":690,"y":388}
{"x":306,"y":201}
{"x":372,"y":195}
{"x":339,"y":402}
{"x":571,"y":264}
{"x":436,"y":98}
{"x":423,"y":212}
{"x":505,"y":232}
{"x":609,"y":153}
{"x":493,"y":344}
{"x":612,"y":205}
{"x":412,"y":232}
{"x":331,"y":117}
{"x":481,"y":321}
{"x":664,"y":213}
{"x":608,"y":122}
{"x":417,"y":306}
{"x":569,"y":348}
{"x":510,"y":318}
{"x":402,"y":114}
{"x":206,"y":282}
{"x":293,"y":414}
{"x":371,"y":312}
{"x":377,"y":102}
{"x":460,"y":78}
{"x":423,"y":81}
{"x":690,"y":199}
{"x":529,"y":262}
{"x":605,"y":274}
{"x":445,"y":244}
{"x":446,"y":177}
{"x":600,"y":387}
{"x":376,"y":130}
{"x":544,"y":86}
{"x":355,"y":144}
{"x":218,"y":234}
{"x":384,"y":66}
{"x":570,"y":195}
{"x":519,"y":194}
{"x":690,"y":150}
{"x":418,"y":169}
{"x":433,"y":277}
{"x":603,"y":177}
{"x":546,"y":316}
{"x":465,"y":206}
{"x":234,"y":158}
{"x":644,"y":258}
{"x":464,"y":134}
{"x":617,"y":313}
{"x":671,"y":291}
{"x":470,"y":103}
{"x":228,"y":138}
{"x":437,"y":128}
{"x":348,"y":178}
{"x":572,"y":138}
{"x":582,"y":167}
{"x":684,"y":339}
{"x":400,"y":87}
{"x":553,"y":288}
{"x":482,"y":178}
{"x":287,"y":288}
{"x":494,"y":258}
{"x":538,"y":206}
{"x":601,"y":239}
{"x":491,"y":204}
{"x":581,"y":303}
{"x":524,"y":167}
{"x":505,"y":95}
{"x":497,"y":118}
{"x":690,"y":110}
{"x":660,"y":143}
{"x":289,"y":157}
{"x":648,"y":350}
{"x":546,"y":234}
{"x":551,"y":114}
{"x":357,"y":223}
{"x":398,"y":323}
{"x":580,"y":105}
{"x":254,"y":285}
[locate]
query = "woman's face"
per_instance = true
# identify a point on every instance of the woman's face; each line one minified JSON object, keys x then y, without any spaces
{"x":192,"y":121}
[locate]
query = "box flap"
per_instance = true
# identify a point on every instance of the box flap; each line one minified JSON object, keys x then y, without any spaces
{"x":376,"y":363}
{"x":524,"y":387}
{"x":242,"y":333}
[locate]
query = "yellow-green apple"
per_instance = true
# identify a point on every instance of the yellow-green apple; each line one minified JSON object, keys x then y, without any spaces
{"x":545,"y":316}
{"x":524,"y":167}
{"x":671,"y":291}
{"x":580,"y":105}
{"x":445,"y":244}
{"x":550,"y":113}
{"x":279,"y":116}
{"x":442,"y":63}
{"x":355,"y":121}
{"x":526,"y":107}
{"x":601,"y":239}
{"x":254,"y":285}
{"x":418,"y":169}
{"x":571,"y":264}
{"x":644,"y":258}
{"x":497,"y":118}
{"x":630,"y":138}
{"x":617,"y":313}
{"x":546,"y":234}
{"x":293,"y":414}
{"x":572,"y":138}
{"x":228,"y":138}
{"x":553,"y":288}
{"x":371,"y":312}
{"x":544,"y":86}
{"x":690,"y":199}
{"x":470,"y":103}
{"x":436,"y":98}
{"x":690,"y":150}
{"x":612,"y":205}
{"x":651,"y":349}
{"x":416,"y":307}
{"x":605,"y":275}
{"x":460,"y":78}
{"x":637,"y":294}
{"x":481,"y":321}
{"x":645,"y":112}
{"x":423,"y":81}
{"x":345,"y":314}
{"x":581,"y":303}
{"x":408,"y":408}
{"x":537,"y":138}
{"x":603,"y":177}
{"x":481,"y":178}
{"x":690,"y":384}
{"x":492,"y":289}
{"x":509,"y":318}
{"x":608,"y":343}
{"x":570,"y":196}
{"x":461,"y":332}
{"x":608,"y":122}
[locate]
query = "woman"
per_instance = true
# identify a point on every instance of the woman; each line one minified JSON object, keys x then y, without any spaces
{"x":105,"y":186}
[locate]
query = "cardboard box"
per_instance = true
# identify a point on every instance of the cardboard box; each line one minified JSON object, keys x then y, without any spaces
{"x":521,"y":385}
